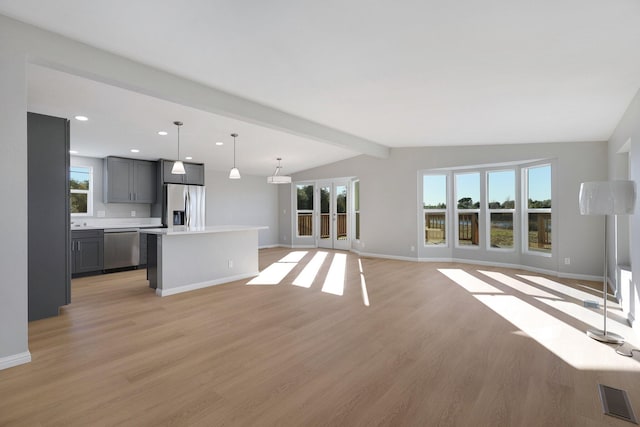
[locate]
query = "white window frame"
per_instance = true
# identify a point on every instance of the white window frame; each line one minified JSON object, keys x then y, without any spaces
{"x":490,"y":211}
{"x":305,"y":211}
{"x":526,"y":210}
{"x":88,"y":192}
{"x":356,"y":231}
{"x":457,"y":212}
{"x":445,"y":212}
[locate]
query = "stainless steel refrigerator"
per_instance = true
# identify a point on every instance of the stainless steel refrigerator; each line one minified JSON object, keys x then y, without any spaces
{"x":183,"y":206}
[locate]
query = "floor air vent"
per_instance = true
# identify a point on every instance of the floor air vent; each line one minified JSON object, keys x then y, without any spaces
{"x":615,"y":403}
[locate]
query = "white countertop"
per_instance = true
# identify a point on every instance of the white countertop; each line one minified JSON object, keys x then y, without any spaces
{"x":175,"y":231}
{"x":109,"y":223}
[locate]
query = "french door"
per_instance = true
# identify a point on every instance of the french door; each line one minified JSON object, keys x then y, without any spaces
{"x":333,"y":215}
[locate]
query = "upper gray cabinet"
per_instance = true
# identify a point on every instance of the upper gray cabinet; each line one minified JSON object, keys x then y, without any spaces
{"x":194,"y":173}
{"x":129,"y":180}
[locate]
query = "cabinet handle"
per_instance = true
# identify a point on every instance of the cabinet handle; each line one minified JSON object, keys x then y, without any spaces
{"x":79,"y":248}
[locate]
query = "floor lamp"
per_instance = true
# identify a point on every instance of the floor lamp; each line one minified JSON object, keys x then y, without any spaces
{"x":607,"y":198}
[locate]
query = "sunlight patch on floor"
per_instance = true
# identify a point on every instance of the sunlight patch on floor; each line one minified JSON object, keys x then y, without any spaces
{"x":295,"y":256}
{"x":518,"y":285}
{"x":468,"y":281}
{"x":563,"y":289}
{"x":570,"y":344}
{"x":363,"y":285}
{"x":310,"y":272}
{"x":334,"y":282}
{"x":273,"y":274}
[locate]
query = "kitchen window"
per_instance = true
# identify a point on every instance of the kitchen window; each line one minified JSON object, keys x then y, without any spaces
{"x":81,"y":189}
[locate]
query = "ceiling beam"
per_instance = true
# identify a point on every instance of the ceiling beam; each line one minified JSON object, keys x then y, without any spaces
{"x":55,"y":51}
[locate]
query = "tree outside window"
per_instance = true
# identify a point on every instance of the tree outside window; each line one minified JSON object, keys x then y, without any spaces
{"x":80,"y":183}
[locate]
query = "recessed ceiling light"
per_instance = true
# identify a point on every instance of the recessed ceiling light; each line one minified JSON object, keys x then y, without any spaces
{"x":162,"y":132}
{"x":135,"y":150}
{"x":219,"y":143}
{"x":82,"y":118}
{"x":188,"y":158}
{"x":73,"y":152}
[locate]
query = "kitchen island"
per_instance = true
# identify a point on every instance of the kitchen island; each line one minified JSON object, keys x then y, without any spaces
{"x":184,"y":259}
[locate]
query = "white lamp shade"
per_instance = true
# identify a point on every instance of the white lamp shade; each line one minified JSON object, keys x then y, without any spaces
{"x":234,"y":173}
{"x":607,"y":197}
{"x":178,"y":168}
{"x":279,"y":179}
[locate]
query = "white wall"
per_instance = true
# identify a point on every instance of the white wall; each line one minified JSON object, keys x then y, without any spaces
{"x":389,"y":199}
{"x":628,"y":130}
{"x":13,"y":193}
{"x":246,"y":201}
{"x":112,"y":210}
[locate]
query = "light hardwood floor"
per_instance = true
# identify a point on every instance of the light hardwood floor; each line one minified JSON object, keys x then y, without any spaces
{"x":439,"y":345}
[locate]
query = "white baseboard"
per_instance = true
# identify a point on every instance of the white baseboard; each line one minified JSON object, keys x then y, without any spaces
{"x":488,"y":264}
{"x":580,"y":277}
{"x":394,"y":257}
{"x":277,"y":245}
{"x":14,"y":360}
{"x":201,"y":285}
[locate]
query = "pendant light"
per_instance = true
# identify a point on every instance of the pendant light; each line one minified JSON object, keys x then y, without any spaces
{"x":178,"y":166}
{"x":278,"y":179}
{"x":234,"y":173}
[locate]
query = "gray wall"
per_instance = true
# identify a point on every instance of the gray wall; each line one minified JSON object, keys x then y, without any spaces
{"x":246,"y":201}
{"x":389,"y":199}
{"x":13,"y":192}
{"x":112,"y":210}
{"x":621,"y":166}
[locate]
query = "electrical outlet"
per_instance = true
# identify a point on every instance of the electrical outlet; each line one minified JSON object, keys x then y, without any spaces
{"x":413,"y":248}
{"x":567,"y":261}
{"x":133,"y":213}
{"x":101,"y":214}
{"x":230,"y":263}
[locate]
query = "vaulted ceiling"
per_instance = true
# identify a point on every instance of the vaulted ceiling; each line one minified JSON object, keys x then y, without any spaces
{"x":403,"y":73}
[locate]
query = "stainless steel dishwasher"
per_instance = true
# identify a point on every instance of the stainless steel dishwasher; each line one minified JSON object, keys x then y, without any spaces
{"x":121,"y":248}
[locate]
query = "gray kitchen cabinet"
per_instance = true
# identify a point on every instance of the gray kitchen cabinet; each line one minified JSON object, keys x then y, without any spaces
{"x":129,"y":180}
{"x":87,"y":251}
{"x":144,"y":181}
{"x":194,"y":173}
{"x":49,"y":284}
{"x":167,"y":176}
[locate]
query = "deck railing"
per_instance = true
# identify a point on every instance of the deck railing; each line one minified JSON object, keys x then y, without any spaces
{"x":305,"y":223}
{"x":325,"y":226}
{"x":435,"y":228}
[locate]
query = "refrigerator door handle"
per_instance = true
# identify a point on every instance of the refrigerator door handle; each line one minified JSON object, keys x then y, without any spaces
{"x":187,"y":209}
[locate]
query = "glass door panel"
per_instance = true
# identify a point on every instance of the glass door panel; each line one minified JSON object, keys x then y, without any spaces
{"x":324,"y":240}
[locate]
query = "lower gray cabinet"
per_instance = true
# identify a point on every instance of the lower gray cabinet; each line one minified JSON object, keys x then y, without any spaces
{"x":87,"y":251}
{"x":143,"y":250}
